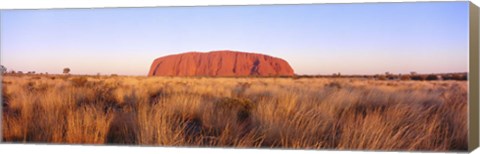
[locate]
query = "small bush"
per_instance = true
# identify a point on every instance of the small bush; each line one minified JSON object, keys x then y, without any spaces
{"x":405,"y":77}
{"x":447,"y":77}
{"x":432,"y":77}
{"x":382,"y":77}
{"x":461,"y":77}
{"x":419,"y":77}
{"x":392,"y":77}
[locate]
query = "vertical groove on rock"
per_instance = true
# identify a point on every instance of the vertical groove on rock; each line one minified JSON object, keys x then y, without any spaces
{"x":235,"y":64}
{"x":156,"y":69}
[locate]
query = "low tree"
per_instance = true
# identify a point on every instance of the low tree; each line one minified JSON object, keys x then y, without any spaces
{"x":66,"y":71}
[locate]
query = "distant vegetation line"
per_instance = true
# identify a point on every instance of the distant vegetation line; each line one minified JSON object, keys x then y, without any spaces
{"x":389,"y":76}
{"x":415,"y":77}
{"x":386,"y":76}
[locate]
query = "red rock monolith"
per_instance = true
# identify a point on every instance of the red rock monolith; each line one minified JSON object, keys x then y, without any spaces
{"x":220,"y":64}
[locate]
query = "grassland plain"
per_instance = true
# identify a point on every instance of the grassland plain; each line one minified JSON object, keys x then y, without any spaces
{"x":311,"y":113}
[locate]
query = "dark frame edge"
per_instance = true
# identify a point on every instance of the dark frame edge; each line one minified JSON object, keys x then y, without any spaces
{"x":473,"y":76}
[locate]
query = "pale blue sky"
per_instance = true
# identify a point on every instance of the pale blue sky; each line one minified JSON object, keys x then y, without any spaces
{"x":315,"y":39}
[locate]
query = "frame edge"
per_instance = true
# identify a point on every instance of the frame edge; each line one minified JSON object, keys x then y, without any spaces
{"x":473,"y":78}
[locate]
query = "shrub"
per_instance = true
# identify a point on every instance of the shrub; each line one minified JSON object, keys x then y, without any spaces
{"x":432,"y":77}
{"x":460,"y":77}
{"x":382,"y":77}
{"x":392,"y":77}
{"x":419,"y":77}
{"x":405,"y":77}
{"x":447,"y":77}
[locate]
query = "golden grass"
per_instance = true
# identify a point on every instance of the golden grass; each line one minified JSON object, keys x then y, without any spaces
{"x":317,"y":113}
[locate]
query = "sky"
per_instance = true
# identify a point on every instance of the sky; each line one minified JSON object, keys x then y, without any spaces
{"x":368,"y":38}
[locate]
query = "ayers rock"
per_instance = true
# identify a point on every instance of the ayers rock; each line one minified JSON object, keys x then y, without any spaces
{"x":220,"y":63}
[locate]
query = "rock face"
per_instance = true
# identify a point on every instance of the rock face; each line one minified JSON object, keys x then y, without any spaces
{"x":220,"y":63}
